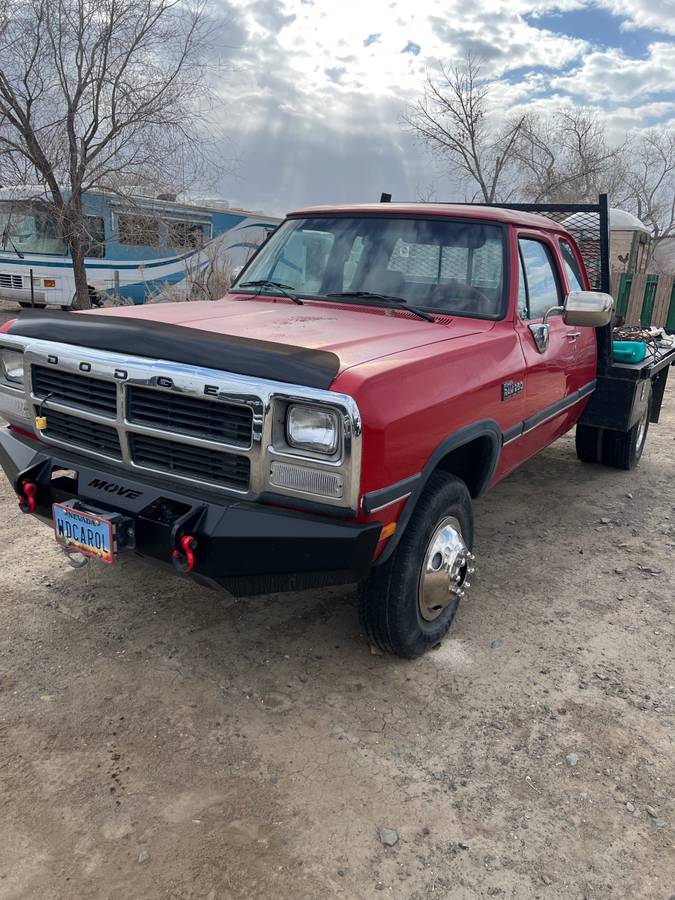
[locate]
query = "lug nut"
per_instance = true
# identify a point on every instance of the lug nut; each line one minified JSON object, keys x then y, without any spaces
{"x":467,"y":584}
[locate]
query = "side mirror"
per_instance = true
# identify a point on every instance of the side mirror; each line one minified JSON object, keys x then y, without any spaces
{"x":540,"y":330}
{"x":588,"y":308}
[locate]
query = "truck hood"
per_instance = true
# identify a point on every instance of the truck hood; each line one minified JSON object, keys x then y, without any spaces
{"x":355,"y":334}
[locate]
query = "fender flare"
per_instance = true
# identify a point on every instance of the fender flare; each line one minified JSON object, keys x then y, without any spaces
{"x":485,"y":428}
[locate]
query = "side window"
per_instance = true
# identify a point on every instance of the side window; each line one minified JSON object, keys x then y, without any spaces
{"x":138,"y":231}
{"x":575,"y":281}
{"x":94,"y":237}
{"x":185,"y":235}
{"x":541,"y":281}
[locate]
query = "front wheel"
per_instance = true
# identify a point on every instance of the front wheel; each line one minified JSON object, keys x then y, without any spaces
{"x":408,"y":603}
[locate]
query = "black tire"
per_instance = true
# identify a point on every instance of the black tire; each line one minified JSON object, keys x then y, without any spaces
{"x":623,"y":449}
{"x":588,"y":441}
{"x":389,"y":603}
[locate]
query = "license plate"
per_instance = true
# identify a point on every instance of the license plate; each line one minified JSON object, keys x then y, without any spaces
{"x":82,"y":531}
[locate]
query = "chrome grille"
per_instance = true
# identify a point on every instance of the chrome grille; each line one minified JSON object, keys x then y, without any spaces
{"x":83,"y":433}
{"x":215,"y":429}
{"x":75,"y":390}
{"x":10,"y":281}
{"x":226,"y":422}
{"x":227,"y":469}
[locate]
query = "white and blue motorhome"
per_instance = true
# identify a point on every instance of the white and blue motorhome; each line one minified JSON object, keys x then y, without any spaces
{"x":134,"y":247}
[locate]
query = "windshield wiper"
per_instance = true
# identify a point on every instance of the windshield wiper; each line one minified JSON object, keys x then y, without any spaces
{"x":284,"y":288}
{"x":385,"y":300}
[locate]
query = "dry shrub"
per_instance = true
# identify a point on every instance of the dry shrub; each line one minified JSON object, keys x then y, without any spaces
{"x":210,"y":281}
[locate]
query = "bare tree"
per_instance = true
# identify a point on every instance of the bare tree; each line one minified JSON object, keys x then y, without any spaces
{"x":99,"y":94}
{"x":651,"y":182}
{"x":454,"y":118}
{"x":566,"y":157}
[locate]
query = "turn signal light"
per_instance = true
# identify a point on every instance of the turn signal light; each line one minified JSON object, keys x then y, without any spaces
{"x":306,"y":480}
{"x":49,"y":282}
{"x":387,"y":531}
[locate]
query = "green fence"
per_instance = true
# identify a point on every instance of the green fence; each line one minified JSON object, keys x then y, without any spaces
{"x":623,"y":295}
{"x":645,"y":299}
{"x":648,"y":301}
{"x":670,"y":319}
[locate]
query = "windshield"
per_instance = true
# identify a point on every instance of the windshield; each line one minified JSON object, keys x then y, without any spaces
{"x":28,"y":228}
{"x":439,"y":265}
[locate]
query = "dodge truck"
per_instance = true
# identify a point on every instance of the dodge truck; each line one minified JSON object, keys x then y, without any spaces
{"x":373,"y":369}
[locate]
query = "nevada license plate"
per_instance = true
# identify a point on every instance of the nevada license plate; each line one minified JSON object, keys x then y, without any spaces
{"x":84,"y":532}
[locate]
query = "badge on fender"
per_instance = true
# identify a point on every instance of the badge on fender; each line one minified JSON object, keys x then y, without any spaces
{"x":511,"y":388}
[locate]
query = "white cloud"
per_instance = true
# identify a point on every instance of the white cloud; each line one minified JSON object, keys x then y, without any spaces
{"x":609,"y":75}
{"x":658,"y":15}
{"x":627,"y":120}
{"x":315,"y":90}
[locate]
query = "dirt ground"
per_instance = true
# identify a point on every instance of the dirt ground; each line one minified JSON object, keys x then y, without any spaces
{"x":158,"y":740}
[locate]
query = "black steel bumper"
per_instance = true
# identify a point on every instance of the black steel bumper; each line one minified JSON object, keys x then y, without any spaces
{"x":244,"y":547}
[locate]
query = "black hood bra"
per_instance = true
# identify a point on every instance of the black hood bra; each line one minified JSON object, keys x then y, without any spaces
{"x":177,"y":343}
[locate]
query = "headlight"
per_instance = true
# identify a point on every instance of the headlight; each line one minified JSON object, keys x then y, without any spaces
{"x":311,"y":428}
{"x":11,"y":364}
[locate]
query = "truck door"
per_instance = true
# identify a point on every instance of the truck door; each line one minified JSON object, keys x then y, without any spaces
{"x":583,"y":338}
{"x":549,"y":373}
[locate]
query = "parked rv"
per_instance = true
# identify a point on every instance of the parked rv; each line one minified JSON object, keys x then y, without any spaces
{"x":134,"y":247}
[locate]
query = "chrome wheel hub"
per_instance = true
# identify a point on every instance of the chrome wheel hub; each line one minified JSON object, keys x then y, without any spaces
{"x":447,"y":565}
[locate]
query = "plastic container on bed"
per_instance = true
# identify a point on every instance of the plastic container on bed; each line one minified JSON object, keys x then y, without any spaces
{"x":628,"y":351}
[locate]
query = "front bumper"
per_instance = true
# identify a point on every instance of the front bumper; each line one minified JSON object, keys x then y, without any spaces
{"x":244,"y":547}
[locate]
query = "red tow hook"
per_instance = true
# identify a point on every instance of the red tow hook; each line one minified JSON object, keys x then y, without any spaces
{"x":185,"y":561}
{"x":27,"y":497}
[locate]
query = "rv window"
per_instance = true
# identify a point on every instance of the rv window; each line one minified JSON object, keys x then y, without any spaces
{"x":185,"y":234}
{"x":29,"y":227}
{"x":94,"y":238}
{"x":139,"y":231}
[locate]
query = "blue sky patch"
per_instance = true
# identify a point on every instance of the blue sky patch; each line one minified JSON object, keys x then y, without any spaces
{"x":597,"y":26}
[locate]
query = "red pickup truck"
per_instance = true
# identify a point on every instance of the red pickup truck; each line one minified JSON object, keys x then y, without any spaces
{"x":372,"y":370}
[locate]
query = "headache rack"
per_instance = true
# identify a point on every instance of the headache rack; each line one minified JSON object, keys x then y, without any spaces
{"x":617,"y":399}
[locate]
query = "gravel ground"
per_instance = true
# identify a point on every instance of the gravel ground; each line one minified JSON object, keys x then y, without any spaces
{"x":158,"y":740}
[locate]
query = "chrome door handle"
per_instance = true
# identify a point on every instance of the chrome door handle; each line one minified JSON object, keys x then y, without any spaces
{"x":573,"y":335}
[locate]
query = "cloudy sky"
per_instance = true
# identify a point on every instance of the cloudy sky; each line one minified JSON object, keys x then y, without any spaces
{"x":314,"y":89}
